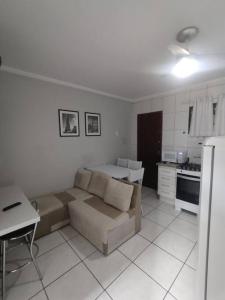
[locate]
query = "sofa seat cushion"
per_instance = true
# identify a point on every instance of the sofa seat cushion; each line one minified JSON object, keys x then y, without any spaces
{"x":118,"y":194}
{"x":82,"y":179}
{"x":98,"y":184}
{"x":48,"y":204}
{"x":53,"y":210}
{"x":78,"y":193}
{"x":103,"y":208}
{"x":94,"y":219}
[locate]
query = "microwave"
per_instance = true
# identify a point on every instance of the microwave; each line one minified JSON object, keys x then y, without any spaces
{"x":179,"y":157}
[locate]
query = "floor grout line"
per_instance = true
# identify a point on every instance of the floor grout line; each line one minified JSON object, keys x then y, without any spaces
{"x":92,"y":273}
{"x":81,"y":261}
{"x":108,"y":294}
{"x":183,"y":263}
{"x":74,"y":266}
{"x":50,"y":250}
{"x":165,"y":228}
{"x":195,"y":242}
{"x":105,"y":289}
{"x":168,"y":227}
{"x":181,"y":269}
{"x":46,"y":294}
{"x":132,"y":261}
{"x":138,"y":254}
{"x":169,"y":253}
{"x":158,"y":207}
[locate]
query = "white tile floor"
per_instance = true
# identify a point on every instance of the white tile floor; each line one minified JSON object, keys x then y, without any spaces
{"x":158,"y":263}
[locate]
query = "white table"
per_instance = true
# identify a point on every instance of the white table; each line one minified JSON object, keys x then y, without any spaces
{"x":19,"y":216}
{"x":111,"y":170}
{"x":14,"y":219}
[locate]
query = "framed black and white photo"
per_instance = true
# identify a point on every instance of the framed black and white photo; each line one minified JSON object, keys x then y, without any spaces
{"x":68,"y":123}
{"x":92,"y":124}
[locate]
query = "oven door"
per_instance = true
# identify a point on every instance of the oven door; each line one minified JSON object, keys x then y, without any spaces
{"x":188,"y":188}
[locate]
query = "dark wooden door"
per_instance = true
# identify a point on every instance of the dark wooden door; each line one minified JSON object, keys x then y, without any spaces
{"x":150,"y":145}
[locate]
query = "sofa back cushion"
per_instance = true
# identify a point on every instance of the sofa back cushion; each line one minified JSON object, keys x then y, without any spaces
{"x":134,"y":164}
{"x":82,"y":179}
{"x":122,"y":162}
{"x":118,"y":194}
{"x":98,"y":183}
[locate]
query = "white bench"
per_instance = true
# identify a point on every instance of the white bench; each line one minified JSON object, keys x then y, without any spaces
{"x":132,"y":170}
{"x":134,"y":167}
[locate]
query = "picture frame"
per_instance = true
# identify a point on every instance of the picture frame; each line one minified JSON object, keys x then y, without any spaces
{"x":92,"y":124}
{"x":68,"y":123}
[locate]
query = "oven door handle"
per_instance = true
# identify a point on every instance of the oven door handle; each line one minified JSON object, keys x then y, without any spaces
{"x":188,"y":178}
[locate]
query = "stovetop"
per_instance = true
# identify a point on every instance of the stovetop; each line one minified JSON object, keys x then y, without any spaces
{"x":190,"y":167}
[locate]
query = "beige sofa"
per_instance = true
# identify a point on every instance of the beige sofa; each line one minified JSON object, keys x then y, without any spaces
{"x":104,"y":210}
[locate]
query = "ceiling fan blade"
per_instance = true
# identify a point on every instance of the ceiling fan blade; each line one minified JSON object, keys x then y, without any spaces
{"x":209,"y":54}
{"x":177,"y":50}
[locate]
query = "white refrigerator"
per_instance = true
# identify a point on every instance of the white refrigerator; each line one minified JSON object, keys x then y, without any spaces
{"x":211,"y":264}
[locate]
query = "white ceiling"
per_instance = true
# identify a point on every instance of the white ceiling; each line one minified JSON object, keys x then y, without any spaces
{"x":114,"y":46}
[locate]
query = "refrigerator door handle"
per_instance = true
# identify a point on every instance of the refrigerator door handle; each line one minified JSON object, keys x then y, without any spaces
{"x":209,"y":220}
{"x":204,"y":226}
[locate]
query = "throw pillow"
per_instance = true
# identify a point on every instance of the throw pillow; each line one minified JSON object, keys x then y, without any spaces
{"x":82,"y":179}
{"x":118,"y":194}
{"x":98,"y":183}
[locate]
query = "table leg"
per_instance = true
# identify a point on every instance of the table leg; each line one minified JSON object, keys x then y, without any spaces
{"x":32,"y":255}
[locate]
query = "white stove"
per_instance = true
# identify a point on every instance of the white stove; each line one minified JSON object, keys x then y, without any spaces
{"x":188,"y":187}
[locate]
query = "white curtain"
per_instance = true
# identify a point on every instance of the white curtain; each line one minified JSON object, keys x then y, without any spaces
{"x":220,"y":116}
{"x":202,"y":117}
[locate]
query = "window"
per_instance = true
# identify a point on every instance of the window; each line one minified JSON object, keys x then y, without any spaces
{"x":190,"y":117}
{"x":214,"y":113}
{"x":190,"y":114}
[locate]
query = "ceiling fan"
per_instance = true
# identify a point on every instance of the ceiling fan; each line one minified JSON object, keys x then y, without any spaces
{"x":184,"y":36}
{"x":186,"y":64}
{"x":187,"y":61}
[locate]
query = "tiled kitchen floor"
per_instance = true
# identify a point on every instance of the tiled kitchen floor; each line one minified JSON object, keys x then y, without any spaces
{"x":158,"y":263}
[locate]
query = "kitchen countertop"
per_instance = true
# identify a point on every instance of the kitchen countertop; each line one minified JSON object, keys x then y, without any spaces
{"x":167,"y":164}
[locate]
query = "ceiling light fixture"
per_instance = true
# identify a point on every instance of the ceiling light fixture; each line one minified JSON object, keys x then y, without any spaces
{"x":186,"y":66}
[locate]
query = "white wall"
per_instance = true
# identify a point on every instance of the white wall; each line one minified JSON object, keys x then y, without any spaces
{"x":32,"y":154}
{"x":175,"y":109}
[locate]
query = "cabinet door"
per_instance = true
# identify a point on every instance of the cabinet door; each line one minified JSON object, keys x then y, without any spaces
{"x":168,"y":172}
{"x":167,"y":182}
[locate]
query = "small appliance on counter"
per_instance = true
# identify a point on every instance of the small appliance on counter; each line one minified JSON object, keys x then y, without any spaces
{"x":179,"y":157}
{"x":182,"y":157}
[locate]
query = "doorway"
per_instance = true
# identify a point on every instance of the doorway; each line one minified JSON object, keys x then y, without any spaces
{"x":149,"y":145}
